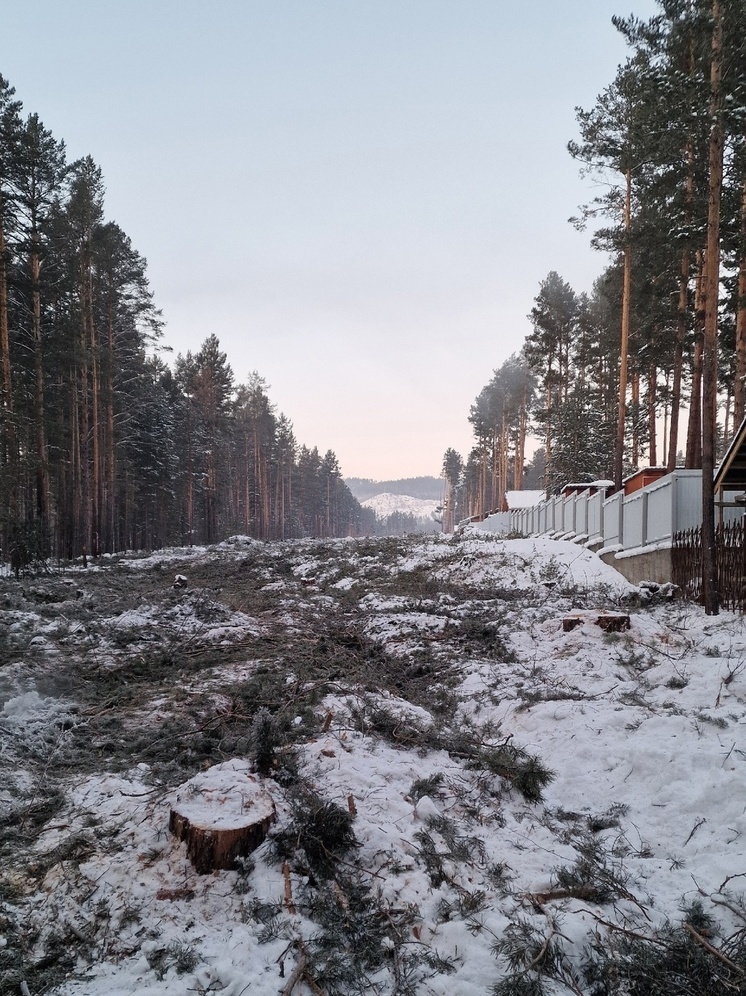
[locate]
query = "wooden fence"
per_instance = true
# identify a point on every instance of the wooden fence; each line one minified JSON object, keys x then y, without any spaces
{"x":686,"y":557}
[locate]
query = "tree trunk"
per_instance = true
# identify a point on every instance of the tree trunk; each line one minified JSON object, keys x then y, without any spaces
{"x":97,"y":483}
{"x":86,"y":318}
{"x":739,"y":387}
{"x":666,"y":416}
{"x":548,"y":440}
{"x":520,"y":450}
{"x":712,"y":294}
{"x":8,"y":442}
{"x":624,"y":344}
{"x":652,"y":405}
{"x":678,"y":357}
{"x":635,"y":384}
{"x":110,"y":498}
{"x":7,"y":382}
{"x":42,"y":463}
{"x":495,"y":467}
{"x":75,"y":470}
{"x":694,"y":430}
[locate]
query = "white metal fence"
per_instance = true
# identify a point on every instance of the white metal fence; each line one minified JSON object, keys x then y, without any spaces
{"x":644,"y":518}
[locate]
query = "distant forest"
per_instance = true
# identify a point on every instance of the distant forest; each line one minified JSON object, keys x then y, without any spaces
{"x":103,"y":446}
{"x":606,"y":379}
{"x":418,"y":487}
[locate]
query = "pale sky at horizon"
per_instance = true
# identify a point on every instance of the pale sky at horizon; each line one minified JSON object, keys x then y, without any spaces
{"x":358,"y":197}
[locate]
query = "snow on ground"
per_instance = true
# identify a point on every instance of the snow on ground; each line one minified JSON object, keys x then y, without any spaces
{"x":524,"y":563}
{"x":405,"y":673}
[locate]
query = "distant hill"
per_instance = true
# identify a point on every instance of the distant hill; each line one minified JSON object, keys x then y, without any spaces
{"x":426,"y":488}
{"x":387,"y":504}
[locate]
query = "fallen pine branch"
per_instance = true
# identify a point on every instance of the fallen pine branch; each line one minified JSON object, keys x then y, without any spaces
{"x":713,"y":950}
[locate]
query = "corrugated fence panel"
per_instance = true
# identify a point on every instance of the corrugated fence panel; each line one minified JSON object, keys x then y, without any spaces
{"x":595,"y":513}
{"x":559,"y":514}
{"x":581,"y":514}
{"x":634,"y":520}
{"x":613,"y":509}
{"x":614,"y":520}
{"x":566,"y":509}
{"x":687,"y":508}
{"x":660,"y":499}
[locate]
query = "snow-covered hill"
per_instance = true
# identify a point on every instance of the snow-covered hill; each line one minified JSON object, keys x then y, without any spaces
{"x":387,"y":504}
{"x":497,"y":768}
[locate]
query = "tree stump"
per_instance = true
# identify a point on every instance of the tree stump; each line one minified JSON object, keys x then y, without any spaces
{"x":569,"y":623}
{"x":613,"y":622}
{"x":223,"y":814}
{"x":609,"y":622}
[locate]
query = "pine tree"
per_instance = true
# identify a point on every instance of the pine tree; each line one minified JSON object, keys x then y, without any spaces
{"x":256,"y":420}
{"x":616,"y":136}
{"x":452,"y":470}
{"x":548,"y":351}
{"x":499,"y":417}
{"x":10,"y":127}
{"x":102,"y":446}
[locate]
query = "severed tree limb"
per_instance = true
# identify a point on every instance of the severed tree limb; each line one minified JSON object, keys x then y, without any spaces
{"x":728,"y":879}
{"x":694,"y":830}
{"x":289,"y":904}
{"x":623,"y":930}
{"x":278,"y":961}
{"x":713,"y":950}
{"x":295,"y":975}
{"x":307,"y":978}
{"x":543,"y":949}
{"x":734,"y":909}
{"x":312,"y":985}
{"x":300,"y":973}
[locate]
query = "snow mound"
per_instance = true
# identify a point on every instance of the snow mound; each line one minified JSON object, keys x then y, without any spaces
{"x":526,"y":563}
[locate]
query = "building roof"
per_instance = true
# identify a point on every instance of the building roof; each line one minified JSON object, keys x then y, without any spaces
{"x":523,"y":499}
{"x":731,"y":473}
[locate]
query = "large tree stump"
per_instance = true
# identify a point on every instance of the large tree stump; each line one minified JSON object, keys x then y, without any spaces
{"x":613,"y":622}
{"x":609,"y":622}
{"x":223,"y":813}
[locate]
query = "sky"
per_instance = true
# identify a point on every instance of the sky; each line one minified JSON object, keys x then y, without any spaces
{"x":360,"y":198}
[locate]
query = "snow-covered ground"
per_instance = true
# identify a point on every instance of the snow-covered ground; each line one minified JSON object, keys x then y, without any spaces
{"x":525,"y":785}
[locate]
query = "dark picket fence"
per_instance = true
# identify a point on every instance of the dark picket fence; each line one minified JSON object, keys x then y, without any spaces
{"x":686,"y":556}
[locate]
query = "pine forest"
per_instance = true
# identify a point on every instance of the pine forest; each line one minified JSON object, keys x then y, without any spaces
{"x":103,"y":445}
{"x":650,"y":367}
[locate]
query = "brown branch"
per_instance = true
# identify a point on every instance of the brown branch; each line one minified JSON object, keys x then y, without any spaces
{"x":295,"y":975}
{"x":728,"y":878}
{"x":543,"y":950}
{"x":307,"y":978}
{"x":624,"y":930}
{"x":734,"y":909}
{"x":290,"y":905}
{"x":694,"y":830}
{"x":313,"y":985}
{"x":714,"y":951}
